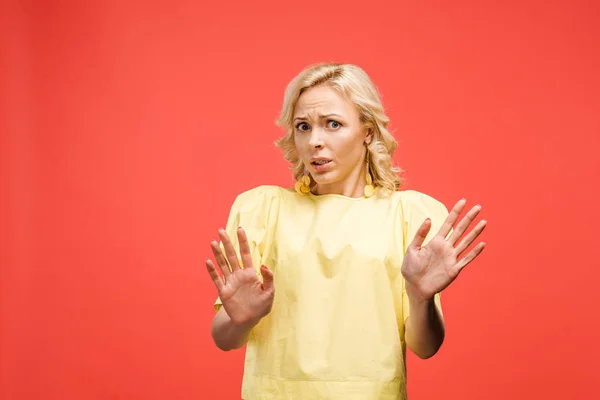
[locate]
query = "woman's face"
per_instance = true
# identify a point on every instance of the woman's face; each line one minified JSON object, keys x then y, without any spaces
{"x":330,"y":140}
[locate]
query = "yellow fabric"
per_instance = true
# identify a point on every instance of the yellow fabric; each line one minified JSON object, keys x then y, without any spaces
{"x":336,"y":329}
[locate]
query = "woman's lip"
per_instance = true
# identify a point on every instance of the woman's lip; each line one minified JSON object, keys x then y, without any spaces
{"x":321,"y":167}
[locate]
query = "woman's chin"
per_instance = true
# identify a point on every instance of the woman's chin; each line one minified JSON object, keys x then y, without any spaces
{"x":325,"y":179}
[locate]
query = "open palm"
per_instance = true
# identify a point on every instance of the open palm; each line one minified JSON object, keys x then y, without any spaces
{"x":430,"y":269}
{"x":244,"y":296}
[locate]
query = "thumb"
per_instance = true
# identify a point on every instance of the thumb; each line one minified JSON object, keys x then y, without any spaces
{"x":421,"y":234}
{"x":267,"y":275}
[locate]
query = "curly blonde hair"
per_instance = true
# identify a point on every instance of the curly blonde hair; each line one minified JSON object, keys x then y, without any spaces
{"x":353,"y":82}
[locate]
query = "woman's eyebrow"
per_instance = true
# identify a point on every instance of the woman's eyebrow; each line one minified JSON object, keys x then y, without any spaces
{"x":330,"y":115}
{"x":320,"y":116}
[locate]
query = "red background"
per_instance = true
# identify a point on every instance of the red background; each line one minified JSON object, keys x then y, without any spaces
{"x":128,"y":128}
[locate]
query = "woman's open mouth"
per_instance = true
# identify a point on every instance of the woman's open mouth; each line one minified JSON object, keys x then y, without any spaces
{"x":320,"y":165}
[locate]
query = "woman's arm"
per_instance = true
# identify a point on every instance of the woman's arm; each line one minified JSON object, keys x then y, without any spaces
{"x":424,"y":327}
{"x":245,"y":299}
{"x":226,"y":334}
{"x":430,"y":269}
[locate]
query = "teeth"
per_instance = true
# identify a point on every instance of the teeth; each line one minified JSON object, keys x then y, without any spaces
{"x":321,"y":162}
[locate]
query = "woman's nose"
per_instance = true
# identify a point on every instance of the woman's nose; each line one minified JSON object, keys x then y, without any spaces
{"x":316,"y":138}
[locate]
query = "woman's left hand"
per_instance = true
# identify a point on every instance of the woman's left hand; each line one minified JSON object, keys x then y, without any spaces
{"x":430,"y":269}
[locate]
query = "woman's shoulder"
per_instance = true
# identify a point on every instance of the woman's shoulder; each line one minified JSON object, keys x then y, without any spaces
{"x":415,"y":199}
{"x":258,"y":196}
{"x":261,"y":191}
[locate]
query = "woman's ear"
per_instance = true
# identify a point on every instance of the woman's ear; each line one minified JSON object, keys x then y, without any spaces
{"x":369,"y":136}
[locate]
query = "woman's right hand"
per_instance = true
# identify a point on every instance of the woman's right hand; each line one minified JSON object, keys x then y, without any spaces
{"x":244,"y":297}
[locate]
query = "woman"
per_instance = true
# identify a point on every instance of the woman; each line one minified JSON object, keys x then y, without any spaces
{"x":335,"y":278}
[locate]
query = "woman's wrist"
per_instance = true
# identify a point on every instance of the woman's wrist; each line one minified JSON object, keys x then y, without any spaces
{"x":415,"y":296}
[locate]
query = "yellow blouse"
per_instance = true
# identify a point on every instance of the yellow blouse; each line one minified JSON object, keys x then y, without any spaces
{"x":336,"y":329}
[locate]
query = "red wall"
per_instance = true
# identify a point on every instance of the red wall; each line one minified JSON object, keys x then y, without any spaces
{"x":127,"y":129}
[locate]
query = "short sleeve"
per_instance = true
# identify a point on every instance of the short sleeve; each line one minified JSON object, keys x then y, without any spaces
{"x":416,"y":208}
{"x":256,"y":212}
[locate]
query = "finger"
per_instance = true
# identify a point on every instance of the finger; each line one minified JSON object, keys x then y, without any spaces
{"x":267,"y":275}
{"x":451,"y":218}
{"x":464,"y":224}
{"x":471,"y":236}
{"x":221,"y":261}
{"x":244,"y":248}
{"x":229,"y":250}
{"x":212,"y":271}
{"x":421,"y":234}
{"x":470,"y":256}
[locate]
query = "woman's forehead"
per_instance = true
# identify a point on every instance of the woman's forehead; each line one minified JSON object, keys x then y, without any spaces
{"x":322,"y":101}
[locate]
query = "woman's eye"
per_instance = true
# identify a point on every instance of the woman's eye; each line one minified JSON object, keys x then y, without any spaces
{"x":333,"y":124}
{"x":302,"y":126}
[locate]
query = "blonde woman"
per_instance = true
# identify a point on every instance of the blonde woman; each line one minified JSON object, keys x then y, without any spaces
{"x":329,"y":282}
